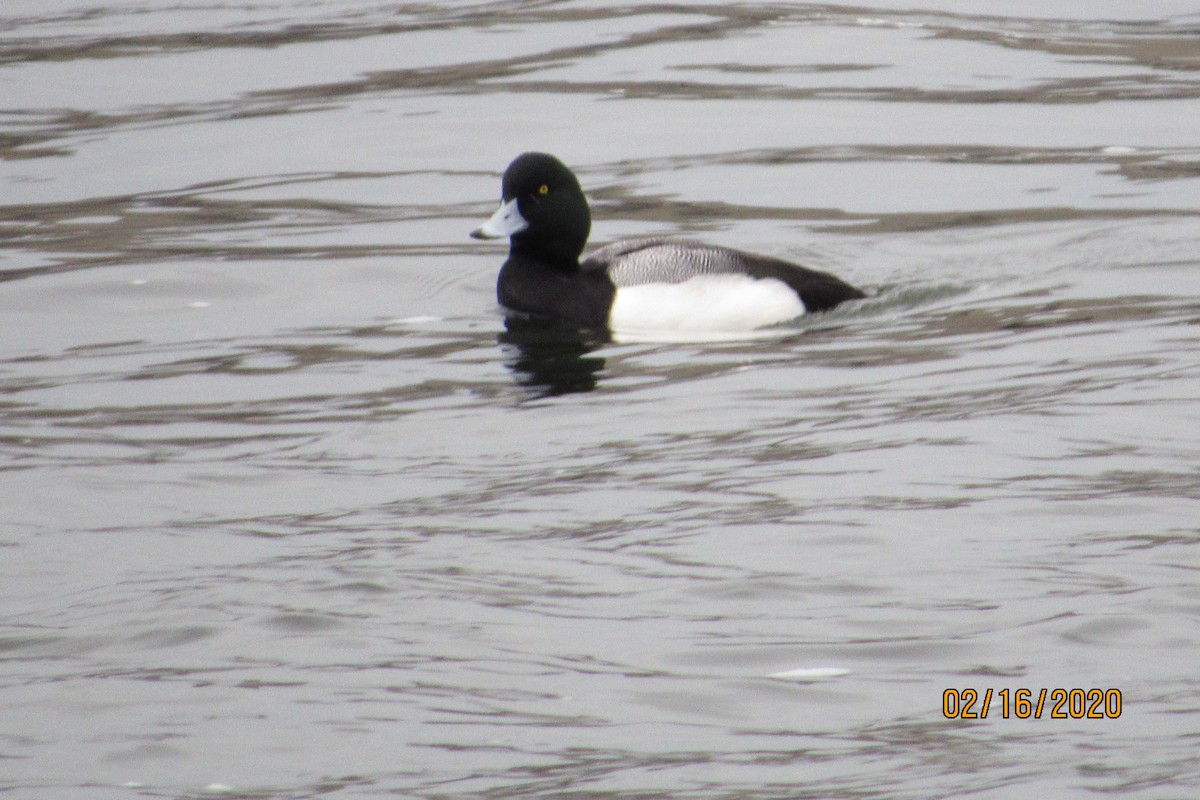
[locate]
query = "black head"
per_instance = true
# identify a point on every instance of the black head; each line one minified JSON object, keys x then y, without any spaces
{"x":551,"y":218}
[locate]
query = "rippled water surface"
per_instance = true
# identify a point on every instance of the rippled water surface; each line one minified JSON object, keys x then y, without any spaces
{"x":289,"y":512}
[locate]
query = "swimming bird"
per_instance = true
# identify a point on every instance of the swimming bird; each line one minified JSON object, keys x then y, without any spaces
{"x":648,"y":284}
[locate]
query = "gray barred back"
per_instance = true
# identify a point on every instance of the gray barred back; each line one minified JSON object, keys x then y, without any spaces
{"x":655,"y":260}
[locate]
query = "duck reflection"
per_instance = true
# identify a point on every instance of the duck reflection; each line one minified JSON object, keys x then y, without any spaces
{"x":549,"y":358}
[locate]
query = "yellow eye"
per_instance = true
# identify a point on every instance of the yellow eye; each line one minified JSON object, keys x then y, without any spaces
{"x":543,"y":189}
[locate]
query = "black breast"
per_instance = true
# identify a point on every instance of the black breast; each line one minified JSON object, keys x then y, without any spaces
{"x":576,"y":296}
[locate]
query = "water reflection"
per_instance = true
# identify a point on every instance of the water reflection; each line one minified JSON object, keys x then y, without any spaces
{"x":279,"y":515}
{"x":550,"y":359}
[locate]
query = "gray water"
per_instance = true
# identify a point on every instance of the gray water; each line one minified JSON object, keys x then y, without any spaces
{"x":289,"y":513}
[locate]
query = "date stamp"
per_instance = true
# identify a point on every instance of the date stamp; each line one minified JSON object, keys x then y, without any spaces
{"x":1032,"y":703}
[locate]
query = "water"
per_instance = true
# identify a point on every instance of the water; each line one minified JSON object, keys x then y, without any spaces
{"x":289,"y":513}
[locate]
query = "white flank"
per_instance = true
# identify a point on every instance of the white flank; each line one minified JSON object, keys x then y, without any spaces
{"x":706,"y":306}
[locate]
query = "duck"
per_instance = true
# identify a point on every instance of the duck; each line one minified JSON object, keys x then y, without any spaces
{"x":655,"y":284}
